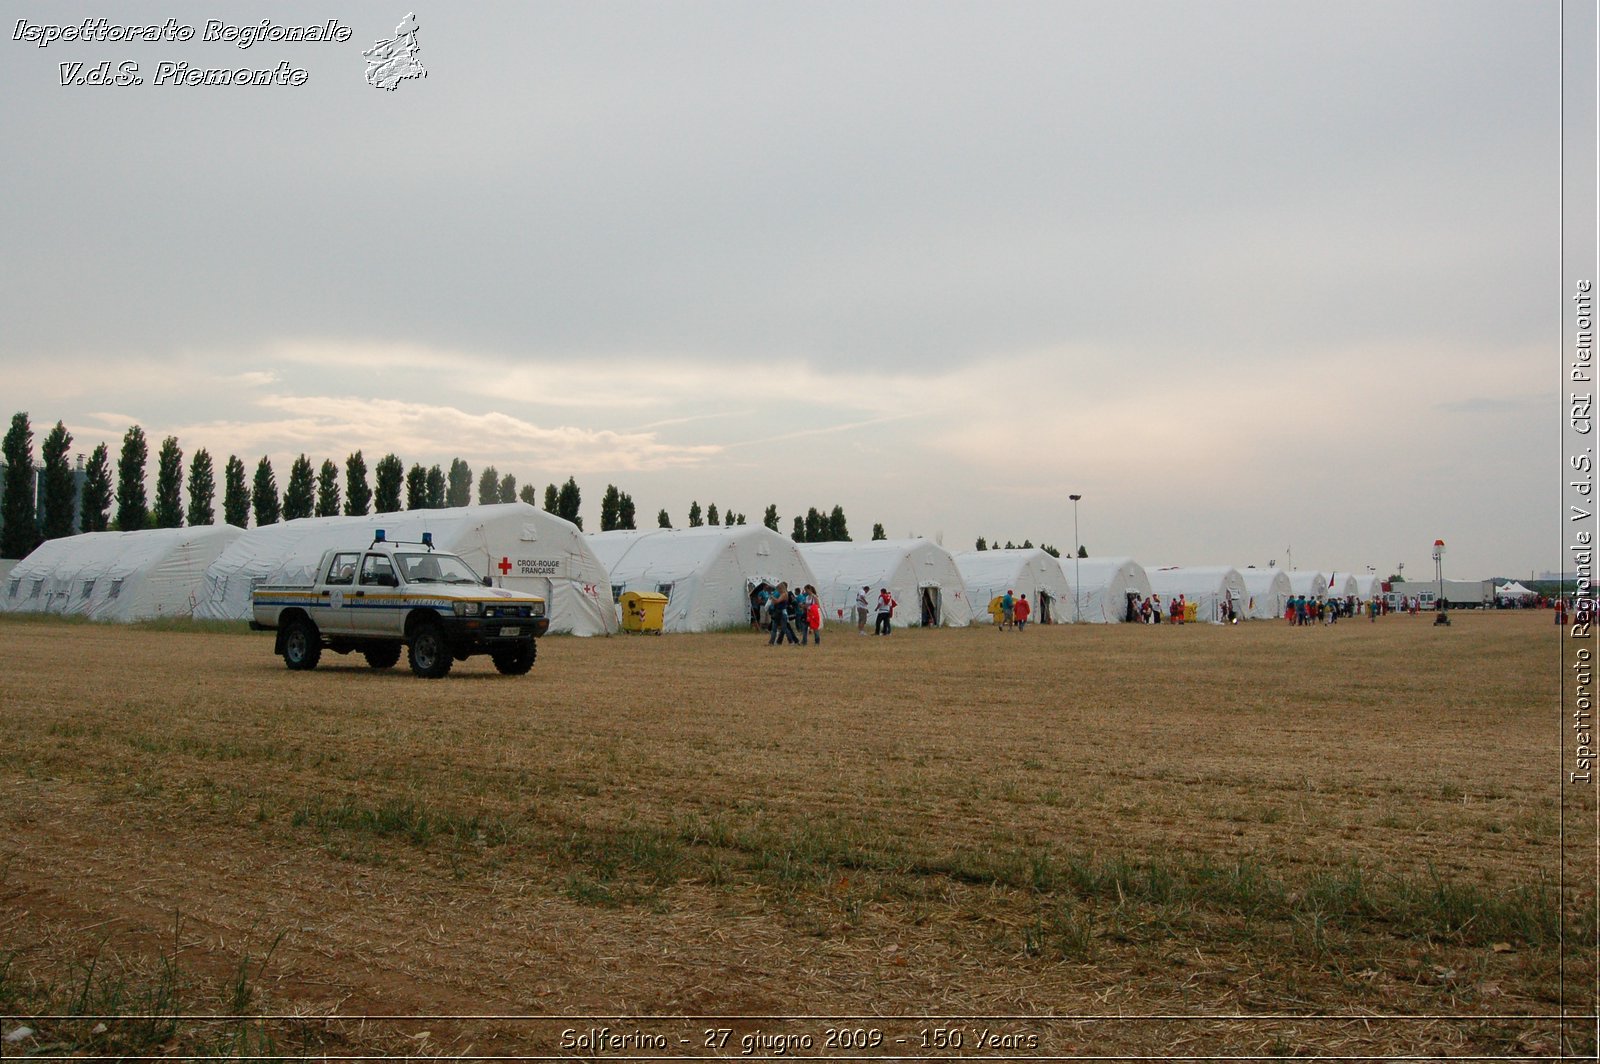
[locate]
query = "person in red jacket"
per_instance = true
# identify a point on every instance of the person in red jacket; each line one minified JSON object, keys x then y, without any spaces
{"x":1020,"y":611}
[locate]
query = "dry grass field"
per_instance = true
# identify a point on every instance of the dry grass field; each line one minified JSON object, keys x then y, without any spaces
{"x":1170,"y":841}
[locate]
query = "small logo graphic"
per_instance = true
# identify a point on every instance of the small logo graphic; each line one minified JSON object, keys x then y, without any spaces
{"x":392,"y":61}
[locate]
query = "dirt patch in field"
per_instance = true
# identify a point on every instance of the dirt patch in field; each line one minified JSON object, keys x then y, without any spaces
{"x":1234,"y":828}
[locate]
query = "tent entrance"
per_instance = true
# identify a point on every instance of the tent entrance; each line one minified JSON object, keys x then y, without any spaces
{"x":930,"y":607}
{"x":1046,"y":612}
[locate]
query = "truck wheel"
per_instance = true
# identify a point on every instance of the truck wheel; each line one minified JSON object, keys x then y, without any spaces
{"x":302,"y":646}
{"x":516,"y":661}
{"x":382,"y":655}
{"x":430,"y":655}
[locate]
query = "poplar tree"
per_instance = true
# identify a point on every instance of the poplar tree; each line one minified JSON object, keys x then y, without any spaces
{"x":436,"y":488}
{"x":771,"y":517}
{"x":488,"y":486}
{"x":133,"y":511}
{"x":877,"y":532}
{"x":568,"y":502}
{"x":695,"y":520}
{"x":59,"y":498}
{"x":328,"y":489}
{"x":21,"y":532}
{"x":460,"y":491}
{"x":552,"y":499}
{"x":300,"y":495}
{"x":625,"y":513}
{"x":663,"y":520}
{"x":838,"y":531}
{"x":94,"y":509}
{"x":264,"y":494}
{"x":357,"y":494}
{"x":610,"y":505}
{"x":235,"y":493}
{"x":389,"y":477}
{"x":416,"y":488}
{"x":168,"y":512}
{"x":202,"y":490}
{"x":529,"y":494}
{"x":712,"y":516}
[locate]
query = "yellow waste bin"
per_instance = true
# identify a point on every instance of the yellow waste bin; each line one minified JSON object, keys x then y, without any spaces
{"x":643,"y":611}
{"x":1191,"y":610}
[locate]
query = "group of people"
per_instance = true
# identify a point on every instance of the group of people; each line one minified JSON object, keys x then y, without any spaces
{"x":1014,"y":611}
{"x":780,"y":611}
{"x":795,"y":616}
{"x":883,"y":609}
{"x":1176,"y":610}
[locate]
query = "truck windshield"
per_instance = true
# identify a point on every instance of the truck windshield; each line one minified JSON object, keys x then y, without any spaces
{"x":436,"y":569}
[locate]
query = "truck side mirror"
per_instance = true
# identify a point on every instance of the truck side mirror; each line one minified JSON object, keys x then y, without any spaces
{"x":488,"y":581}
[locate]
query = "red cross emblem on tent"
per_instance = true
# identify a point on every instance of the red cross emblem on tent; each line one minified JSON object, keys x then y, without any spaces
{"x":505,"y":566}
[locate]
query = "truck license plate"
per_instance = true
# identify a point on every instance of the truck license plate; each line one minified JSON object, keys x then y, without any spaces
{"x":513,"y":630}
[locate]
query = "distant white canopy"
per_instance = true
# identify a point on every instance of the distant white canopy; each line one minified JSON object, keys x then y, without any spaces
{"x":1206,"y":586}
{"x":921,"y":575}
{"x":1025,"y":571}
{"x":1268,"y":592}
{"x":118,"y":576}
{"x":1513,"y":590}
{"x":707,"y":573}
{"x":1107,"y":583}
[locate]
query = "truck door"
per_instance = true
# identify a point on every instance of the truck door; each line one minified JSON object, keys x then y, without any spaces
{"x":379,"y":602}
{"x":338,"y":584}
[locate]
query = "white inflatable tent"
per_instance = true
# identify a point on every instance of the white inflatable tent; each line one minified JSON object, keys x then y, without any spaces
{"x":1341,"y":586}
{"x":1267,"y":593}
{"x":520,"y":546}
{"x":1309,"y":582}
{"x":707,"y":573}
{"x":921,"y":575}
{"x":1205,"y":585}
{"x":1368,"y":587}
{"x":1107,"y":583}
{"x":1025,"y":571}
{"x":118,"y":576}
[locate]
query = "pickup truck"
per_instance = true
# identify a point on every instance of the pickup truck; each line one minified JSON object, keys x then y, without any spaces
{"x":378,"y":598}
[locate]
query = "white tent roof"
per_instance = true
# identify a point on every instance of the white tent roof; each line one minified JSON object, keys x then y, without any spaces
{"x":1340,"y":585}
{"x":1205,"y":585}
{"x":904,"y":566}
{"x":1513,"y":589}
{"x":1309,"y":582}
{"x":1267,"y":592}
{"x":707,"y":572}
{"x":521,"y":546}
{"x":1107,"y":583}
{"x":117,"y":576}
{"x":1368,"y":586}
{"x":1026,"y":571}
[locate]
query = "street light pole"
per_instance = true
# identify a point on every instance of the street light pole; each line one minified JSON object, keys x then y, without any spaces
{"x":1077,"y":551}
{"x":1438,"y":567}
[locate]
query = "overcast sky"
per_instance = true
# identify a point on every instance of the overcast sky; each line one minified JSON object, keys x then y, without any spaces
{"x":1249,"y":276}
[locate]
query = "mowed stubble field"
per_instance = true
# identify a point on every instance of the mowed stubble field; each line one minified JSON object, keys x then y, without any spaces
{"x":1233,"y":825}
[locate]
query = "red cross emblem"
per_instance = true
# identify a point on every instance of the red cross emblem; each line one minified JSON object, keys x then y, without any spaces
{"x":505,"y":566}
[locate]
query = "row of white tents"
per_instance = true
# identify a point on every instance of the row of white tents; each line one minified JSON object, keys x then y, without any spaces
{"x":708,"y":574}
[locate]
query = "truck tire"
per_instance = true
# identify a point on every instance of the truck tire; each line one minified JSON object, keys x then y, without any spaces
{"x":302,"y":646}
{"x":382,"y":655}
{"x":516,"y":661}
{"x":430,"y":654}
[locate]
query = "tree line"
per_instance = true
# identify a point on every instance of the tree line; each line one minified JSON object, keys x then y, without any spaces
{"x":118,"y":500}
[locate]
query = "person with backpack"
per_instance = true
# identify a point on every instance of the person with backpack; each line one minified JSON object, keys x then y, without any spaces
{"x":886,"y":605}
{"x":813,"y":622}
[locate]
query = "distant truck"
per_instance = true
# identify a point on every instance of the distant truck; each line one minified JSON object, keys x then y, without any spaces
{"x":388,"y":595}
